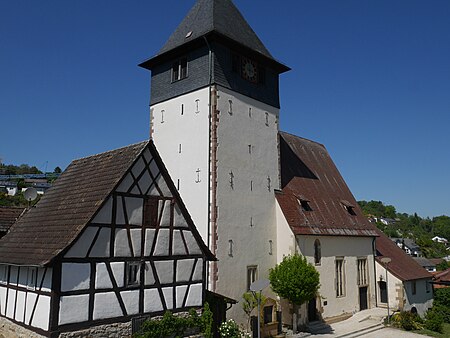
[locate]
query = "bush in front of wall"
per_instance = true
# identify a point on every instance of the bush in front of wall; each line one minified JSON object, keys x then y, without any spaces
{"x":176,"y":326}
{"x":407,"y":321}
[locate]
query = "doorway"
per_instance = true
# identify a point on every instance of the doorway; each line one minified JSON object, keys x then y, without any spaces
{"x":363,"y":304}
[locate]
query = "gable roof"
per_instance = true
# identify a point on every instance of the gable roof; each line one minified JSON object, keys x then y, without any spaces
{"x":402,"y":266}
{"x":64,"y":211}
{"x":309,"y":174}
{"x":8,"y":215}
{"x":220,"y":17}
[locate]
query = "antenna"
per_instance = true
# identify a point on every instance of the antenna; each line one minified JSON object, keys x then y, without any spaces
{"x":30,"y":195}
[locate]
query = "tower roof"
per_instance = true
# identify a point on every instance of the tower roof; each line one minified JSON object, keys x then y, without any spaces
{"x":207,"y":17}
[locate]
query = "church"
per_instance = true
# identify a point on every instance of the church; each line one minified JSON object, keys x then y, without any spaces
{"x":215,"y":199}
{"x":255,"y":193}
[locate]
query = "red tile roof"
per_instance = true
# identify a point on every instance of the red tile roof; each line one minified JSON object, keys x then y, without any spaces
{"x":402,"y":266}
{"x":8,"y":215}
{"x":309,"y":174}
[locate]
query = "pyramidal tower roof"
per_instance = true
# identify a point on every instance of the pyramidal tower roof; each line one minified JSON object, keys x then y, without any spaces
{"x":219,"y":16}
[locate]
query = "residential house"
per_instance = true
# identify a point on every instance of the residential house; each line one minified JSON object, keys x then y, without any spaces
{"x":440,"y":240}
{"x":109,"y":243}
{"x":8,"y":216}
{"x":408,"y":246}
{"x":402,"y":283}
{"x":441,"y":279}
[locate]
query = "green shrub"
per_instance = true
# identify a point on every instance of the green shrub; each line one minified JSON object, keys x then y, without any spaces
{"x":175,"y":326}
{"x":434,"y":321}
{"x":230,"y":329}
{"x":407,"y":321}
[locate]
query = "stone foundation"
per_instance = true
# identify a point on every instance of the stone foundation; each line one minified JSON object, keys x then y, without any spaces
{"x":10,"y":330}
{"x":116,"y":330}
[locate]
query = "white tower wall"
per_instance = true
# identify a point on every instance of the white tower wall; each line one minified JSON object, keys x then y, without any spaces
{"x":180,"y":131}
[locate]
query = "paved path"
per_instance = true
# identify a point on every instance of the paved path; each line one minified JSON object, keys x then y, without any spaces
{"x":368,"y":323}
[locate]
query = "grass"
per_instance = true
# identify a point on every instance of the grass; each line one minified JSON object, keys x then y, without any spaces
{"x":445,"y":334}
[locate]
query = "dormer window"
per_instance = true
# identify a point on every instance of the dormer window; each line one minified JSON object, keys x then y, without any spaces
{"x":179,"y":69}
{"x":349,"y":207}
{"x":304,"y":204}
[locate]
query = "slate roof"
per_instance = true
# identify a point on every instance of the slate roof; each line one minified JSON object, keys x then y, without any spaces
{"x":8,"y":215}
{"x":67,"y":207}
{"x":309,"y":174}
{"x":402,"y":266}
{"x":219,"y":17}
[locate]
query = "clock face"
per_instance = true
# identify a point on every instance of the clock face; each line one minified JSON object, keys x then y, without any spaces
{"x":249,"y":70}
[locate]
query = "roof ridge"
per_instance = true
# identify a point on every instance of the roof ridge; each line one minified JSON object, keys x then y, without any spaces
{"x":111,"y":151}
{"x":302,"y":138}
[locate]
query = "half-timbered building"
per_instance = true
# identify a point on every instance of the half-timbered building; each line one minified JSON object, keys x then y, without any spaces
{"x":111,"y":241}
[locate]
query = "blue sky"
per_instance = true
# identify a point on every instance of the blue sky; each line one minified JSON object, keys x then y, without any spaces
{"x":369,"y":79}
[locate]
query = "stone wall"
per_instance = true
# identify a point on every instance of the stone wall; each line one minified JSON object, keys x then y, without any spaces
{"x":102,"y":331}
{"x":10,"y":330}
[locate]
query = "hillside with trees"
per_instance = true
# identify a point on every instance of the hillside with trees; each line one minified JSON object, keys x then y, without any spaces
{"x":419,"y":229}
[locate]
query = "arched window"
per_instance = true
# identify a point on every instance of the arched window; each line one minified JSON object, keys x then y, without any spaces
{"x":317,"y":252}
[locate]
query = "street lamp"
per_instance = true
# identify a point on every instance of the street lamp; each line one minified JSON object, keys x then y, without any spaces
{"x":386,"y":261}
{"x":258,"y":286}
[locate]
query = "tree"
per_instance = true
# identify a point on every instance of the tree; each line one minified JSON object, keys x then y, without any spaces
{"x":295,"y":280}
{"x":250,"y":302}
{"x":57,"y":170}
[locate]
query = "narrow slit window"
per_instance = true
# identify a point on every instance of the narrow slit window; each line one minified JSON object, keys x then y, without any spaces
{"x":252,"y":275}
{"x":231,"y":180}
{"x":267,"y":119}
{"x":251,"y":185}
{"x":178,"y":184}
{"x":317,"y":252}
{"x":198,"y":171}
{"x":269,"y":182}
{"x":230,"y":247}
{"x":250,"y":112}
{"x":249,"y":148}
{"x":179,"y":148}
{"x":251,"y":222}
{"x":162,"y":116}
{"x":182,"y":109}
{"x":230,"y":107}
{"x":270,"y":247}
{"x":197,"y":106}
{"x":132,"y":273}
{"x":32,"y":278}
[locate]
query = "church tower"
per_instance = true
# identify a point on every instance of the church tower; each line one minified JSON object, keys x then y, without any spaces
{"x":214,"y":119}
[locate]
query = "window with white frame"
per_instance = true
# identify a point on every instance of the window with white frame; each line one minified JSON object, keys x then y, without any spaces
{"x":363,"y":279}
{"x":179,"y":69}
{"x":340,"y":277}
{"x":252,"y":275}
{"x":132,"y":277}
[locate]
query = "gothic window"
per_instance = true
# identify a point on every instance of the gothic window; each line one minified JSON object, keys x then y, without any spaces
{"x":317,"y":252}
{"x":132,"y":273}
{"x":362,"y":272}
{"x":340,"y":277}
{"x":179,"y":69}
{"x":252,"y":275}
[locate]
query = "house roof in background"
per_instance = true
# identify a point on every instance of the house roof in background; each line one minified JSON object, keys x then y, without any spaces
{"x":308,"y":174}
{"x":9,"y":215}
{"x":402,"y":266}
